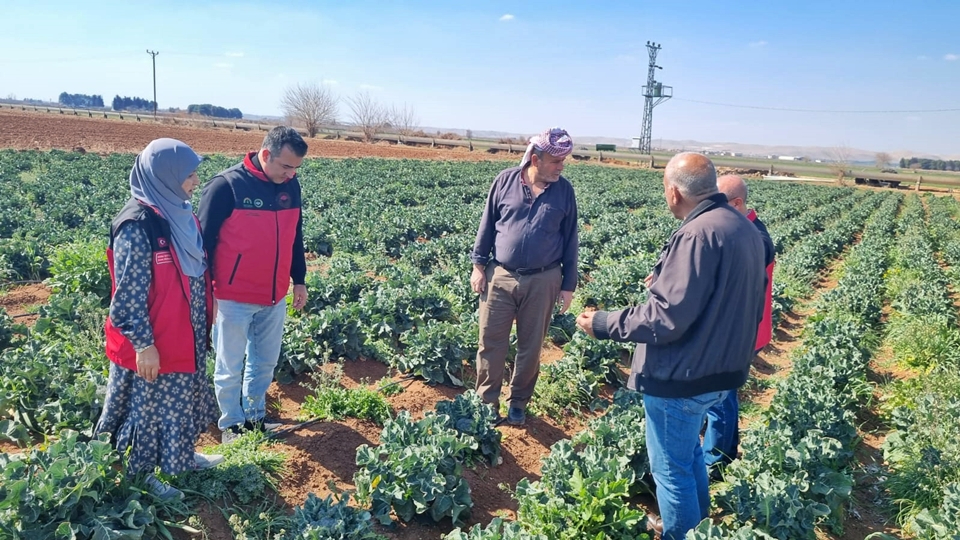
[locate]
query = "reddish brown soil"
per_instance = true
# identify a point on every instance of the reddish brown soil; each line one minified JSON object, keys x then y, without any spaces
{"x":324,"y":453}
{"x":43,"y":131}
{"x":22,"y":299}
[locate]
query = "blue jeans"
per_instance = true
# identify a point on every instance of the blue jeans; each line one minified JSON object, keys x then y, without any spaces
{"x":676,"y":459}
{"x":246,"y":339}
{"x":722,"y":436}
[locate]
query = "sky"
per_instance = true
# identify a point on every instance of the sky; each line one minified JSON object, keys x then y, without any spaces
{"x":521,"y":67}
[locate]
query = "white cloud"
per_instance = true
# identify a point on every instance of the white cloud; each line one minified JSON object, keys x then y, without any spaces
{"x":506,"y":17}
{"x":758,"y":43}
{"x":223,"y":65}
{"x":951,"y":57}
{"x":370,"y":87}
{"x":234,"y":54}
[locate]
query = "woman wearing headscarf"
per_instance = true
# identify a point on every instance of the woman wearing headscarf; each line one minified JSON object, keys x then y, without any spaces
{"x":159,"y":399}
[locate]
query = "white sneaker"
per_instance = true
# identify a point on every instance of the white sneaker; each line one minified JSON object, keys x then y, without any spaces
{"x":162,"y":490}
{"x":206,"y":461}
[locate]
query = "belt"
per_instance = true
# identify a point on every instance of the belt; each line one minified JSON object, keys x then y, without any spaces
{"x":529,"y":271}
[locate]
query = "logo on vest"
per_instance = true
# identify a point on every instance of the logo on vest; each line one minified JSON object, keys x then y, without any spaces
{"x":162,"y":242}
{"x":258,"y":203}
{"x":247,"y":202}
{"x":162,"y":257}
{"x":283,"y":200}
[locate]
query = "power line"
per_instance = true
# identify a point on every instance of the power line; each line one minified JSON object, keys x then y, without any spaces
{"x":199,"y":55}
{"x":118,"y":56}
{"x":788,"y":109}
{"x":64,"y":59}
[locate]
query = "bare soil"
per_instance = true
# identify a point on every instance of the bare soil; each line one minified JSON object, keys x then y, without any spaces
{"x":30,"y":130}
{"x":21,"y":301}
{"x":323,"y":454}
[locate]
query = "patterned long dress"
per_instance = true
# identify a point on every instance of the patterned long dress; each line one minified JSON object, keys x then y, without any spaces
{"x":157,"y":423}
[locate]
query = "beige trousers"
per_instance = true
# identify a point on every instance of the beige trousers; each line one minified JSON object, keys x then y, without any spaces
{"x":528,"y":300}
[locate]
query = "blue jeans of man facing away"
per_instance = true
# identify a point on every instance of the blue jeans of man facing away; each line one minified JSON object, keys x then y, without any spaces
{"x":246,"y":339}
{"x":676,"y":459}
{"x":722,"y":436}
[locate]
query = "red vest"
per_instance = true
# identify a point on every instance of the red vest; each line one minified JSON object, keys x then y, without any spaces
{"x":254,"y":250}
{"x":168,"y":300}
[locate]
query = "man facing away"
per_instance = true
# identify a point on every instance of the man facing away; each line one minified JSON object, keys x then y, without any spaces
{"x":695,"y":334}
{"x":722,"y":435}
{"x":253,"y":232}
{"x":529,"y":223}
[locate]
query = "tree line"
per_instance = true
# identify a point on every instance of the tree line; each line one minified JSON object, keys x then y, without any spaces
{"x":85,"y":101}
{"x":930,"y":164}
{"x":134,"y":103}
{"x":207,"y":109}
{"x":80,"y":100}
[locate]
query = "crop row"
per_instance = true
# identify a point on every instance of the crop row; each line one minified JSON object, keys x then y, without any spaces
{"x":921,"y":451}
{"x":793,"y":474}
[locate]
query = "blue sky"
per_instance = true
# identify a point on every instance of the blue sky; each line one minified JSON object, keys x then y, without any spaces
{"x":524,"y":66}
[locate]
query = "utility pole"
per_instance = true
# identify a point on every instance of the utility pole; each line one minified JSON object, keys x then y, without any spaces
{"x":653,"y":89}
{"x":154,"y":55}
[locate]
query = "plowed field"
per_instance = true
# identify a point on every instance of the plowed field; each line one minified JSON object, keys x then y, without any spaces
{"x":30,"y":130}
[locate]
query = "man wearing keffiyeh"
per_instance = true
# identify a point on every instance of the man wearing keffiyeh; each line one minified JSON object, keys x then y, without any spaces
{"x":524,"y":264}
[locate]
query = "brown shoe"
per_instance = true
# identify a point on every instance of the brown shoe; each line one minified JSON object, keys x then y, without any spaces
{"x":655,"y":524}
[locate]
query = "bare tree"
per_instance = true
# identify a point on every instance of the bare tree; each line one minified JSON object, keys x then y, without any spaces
{"x":882,"y":159}
{"x":368,"y":114}
{"x":841,"y":162}
{"x":311,"y":104}
{"x":404,"y":119}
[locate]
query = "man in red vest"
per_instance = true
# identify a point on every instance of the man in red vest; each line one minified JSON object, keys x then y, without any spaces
{"x":253,"y":231}
{"x":722,"y":436}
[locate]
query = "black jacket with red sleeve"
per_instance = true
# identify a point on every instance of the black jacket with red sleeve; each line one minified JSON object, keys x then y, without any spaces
{"x":253,"y":230}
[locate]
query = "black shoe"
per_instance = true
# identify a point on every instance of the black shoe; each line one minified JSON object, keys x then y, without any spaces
{"x":231,"y":434}
{"x":265,"y":424}
{"x":715,"y":471}
{"x":516,"y":416}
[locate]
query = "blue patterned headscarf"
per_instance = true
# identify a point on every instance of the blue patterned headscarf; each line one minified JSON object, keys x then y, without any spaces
{"x":157,"y":179}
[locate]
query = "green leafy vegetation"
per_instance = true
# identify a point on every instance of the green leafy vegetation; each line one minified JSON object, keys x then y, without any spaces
{"x":73,"y":489}
{"x":416,"y":469}
{"x":331,"y":401}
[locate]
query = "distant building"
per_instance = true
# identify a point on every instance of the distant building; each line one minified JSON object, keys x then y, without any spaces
{"x":635,"y":143}
{"x":789,"y":158}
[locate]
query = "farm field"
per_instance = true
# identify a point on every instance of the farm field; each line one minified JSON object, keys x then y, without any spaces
{"x":848,"y":416}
